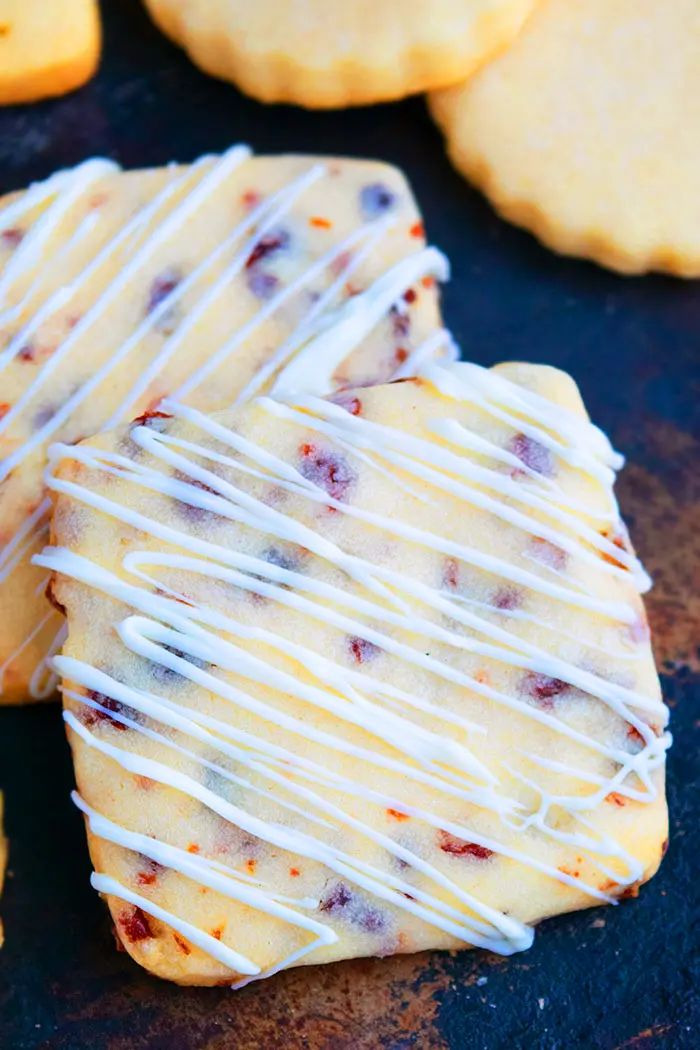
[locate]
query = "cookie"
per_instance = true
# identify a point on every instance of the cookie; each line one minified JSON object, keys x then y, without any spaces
{"x":356,"y":676}
{"x":324,"y":55}
{"x":587,"y":132}
{"x":121,"y":287}
{"x":46,"y":49}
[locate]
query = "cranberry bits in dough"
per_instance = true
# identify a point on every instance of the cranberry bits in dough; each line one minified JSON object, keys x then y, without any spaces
{"x":356,"y":676}
{"x":202,"y":281}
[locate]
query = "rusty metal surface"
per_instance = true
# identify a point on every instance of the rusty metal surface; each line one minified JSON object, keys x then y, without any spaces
{"x":622,"y":978}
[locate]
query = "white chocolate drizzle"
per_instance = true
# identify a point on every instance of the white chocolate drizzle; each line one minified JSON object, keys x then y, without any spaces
{"x":409,"y":738}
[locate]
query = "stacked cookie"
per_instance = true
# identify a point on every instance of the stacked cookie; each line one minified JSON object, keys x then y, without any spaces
{"x":354,"y":659}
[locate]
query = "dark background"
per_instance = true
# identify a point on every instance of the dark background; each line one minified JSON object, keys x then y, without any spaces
{"x":606,"y":978}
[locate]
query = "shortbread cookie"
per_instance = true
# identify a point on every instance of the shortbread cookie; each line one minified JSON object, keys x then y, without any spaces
{"x":47,"y":47}
{"x":356,"y":676}
{"x":587,"y":132}
{"x":118,"y":288}
{"x":324,"y":55}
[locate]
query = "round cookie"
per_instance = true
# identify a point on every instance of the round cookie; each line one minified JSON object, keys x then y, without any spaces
{"x":356,"y":676}
{"x":325,"y":55}
{"x":587,"y":132}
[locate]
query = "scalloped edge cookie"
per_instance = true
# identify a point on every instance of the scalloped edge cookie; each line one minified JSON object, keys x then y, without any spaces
{"x":409,"y":50}
{"x":587,"y":132}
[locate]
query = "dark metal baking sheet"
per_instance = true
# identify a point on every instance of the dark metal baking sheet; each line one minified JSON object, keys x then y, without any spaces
{"x":606,"y":978}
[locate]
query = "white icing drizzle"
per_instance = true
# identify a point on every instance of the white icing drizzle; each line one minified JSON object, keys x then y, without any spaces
{"x":393,"y":611}
{"x":34,"y":244}
{"x":312,"y":369}
{"x":160,"y":235}
{"x":208,"y":873}
{"x":152,"y":226}
{"x":264,"y":218}
{"x":24,"y":539}
{"x":484,"y":932}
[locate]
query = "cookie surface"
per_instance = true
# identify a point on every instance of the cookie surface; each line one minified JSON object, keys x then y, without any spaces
{"x":356,"y":676}
{"x":46,"y":49}
{"x":322,"y":55}
{"x":587,"y":131}
{"x":121,"y":287}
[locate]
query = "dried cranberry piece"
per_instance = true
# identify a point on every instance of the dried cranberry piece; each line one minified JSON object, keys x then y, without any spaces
{"x":136,"y":925}
{"x":461,"y":848}
{"x":340,"y":262}
{"x":507,"y":599}
{"x":162,"y":673}
{"x":328,"y":470}
{"x":12,"y":237}
{"x":161,"y":287}
{"x":542,"y":689}
{"x":450,"y":573}
{"x":533,"y":454}
{"x":362,"y":650}
{"x":149,"y":871}
{"x":44,"y":414}
{"x":281,"y":558}
{"x":548,"y":554}
{"x":270,"y":244}
{"x":349,"y":905}
{"x":262,"y":285}
{"x":250,"y":198}
{"x":376,"y":199}
{"x":148,"y":418}
{"x":92,"y":716}
{"x":181,"y":475}
{"x":351,"y":404}
{"x":400,"y":322}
